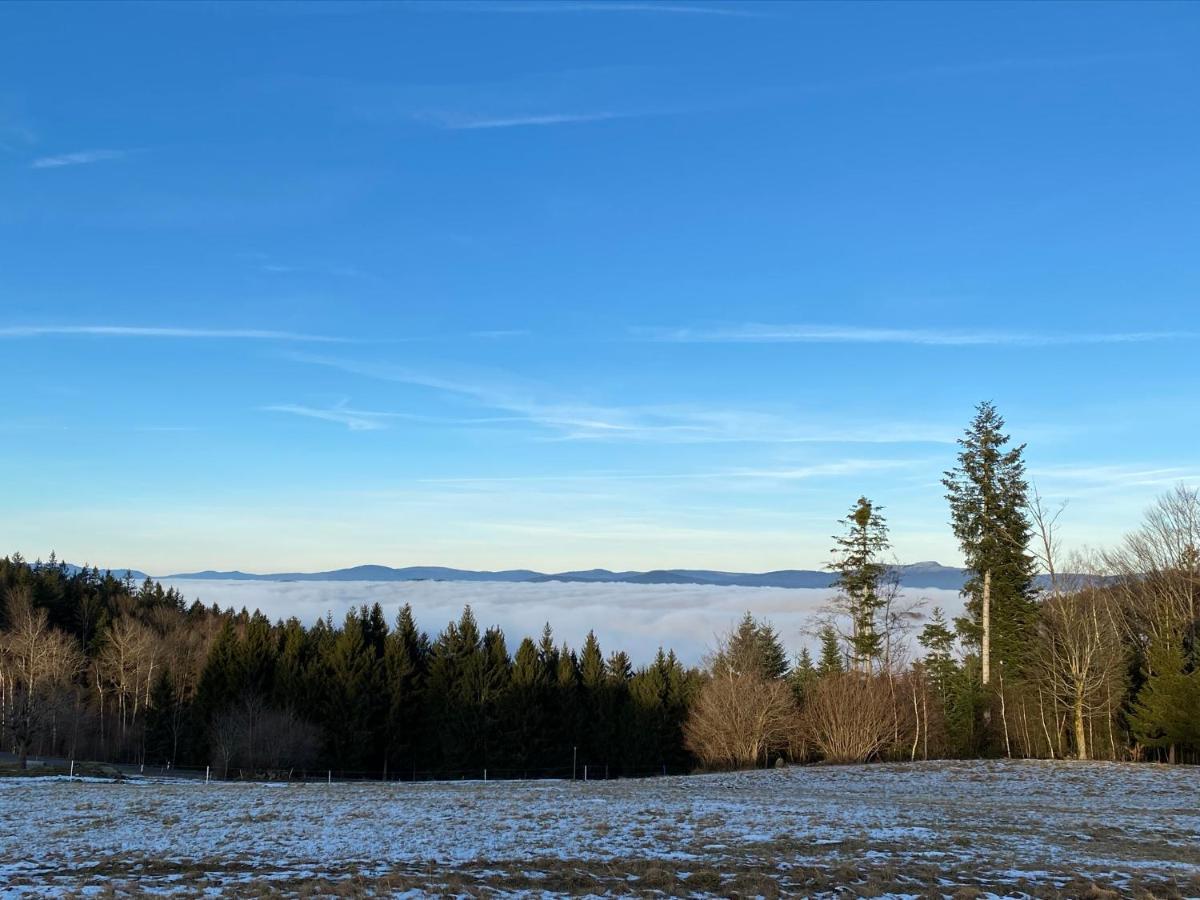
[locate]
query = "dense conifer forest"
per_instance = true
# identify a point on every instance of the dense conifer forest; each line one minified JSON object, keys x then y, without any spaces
{"x":1103,"y":662}
{"x":98,"y":667}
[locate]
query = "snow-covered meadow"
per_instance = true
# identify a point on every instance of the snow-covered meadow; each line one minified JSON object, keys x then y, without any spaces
{"x":957,"y":829}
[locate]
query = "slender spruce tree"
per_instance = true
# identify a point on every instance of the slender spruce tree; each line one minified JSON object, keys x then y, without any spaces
{"x":831,"y":661}
{"x":858,"y":562}
{"x":938,"y":641}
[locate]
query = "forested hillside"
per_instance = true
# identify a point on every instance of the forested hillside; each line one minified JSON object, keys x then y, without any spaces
{"x":1101,"y":663}
{"x":97,"y":667}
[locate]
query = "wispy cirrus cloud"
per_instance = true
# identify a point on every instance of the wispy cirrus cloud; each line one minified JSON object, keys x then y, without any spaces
{"x":78,"y":158}
{"x":499,"y":333}
{"x":531,"y":100}
{"x":680,"y":9}
{"x":467,"y":122}
{"x":373,"y":420}
{"x":1065,"y":479}
{"x":139,"y":331}
{"x":836,"y":469}
{"x":756,"y":333}
{"x":354,"y":419}
{"x":335,"y":270}
{"x":570,"y":419}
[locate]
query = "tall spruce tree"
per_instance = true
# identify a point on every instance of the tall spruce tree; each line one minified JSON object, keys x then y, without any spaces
{"x":405,"y":665}
{"x":350,"y":675}
{"x":860,"y":570}
{"x":988,"y":497}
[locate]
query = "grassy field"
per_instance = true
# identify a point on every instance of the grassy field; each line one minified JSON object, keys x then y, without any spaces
{"x":956,"y":829}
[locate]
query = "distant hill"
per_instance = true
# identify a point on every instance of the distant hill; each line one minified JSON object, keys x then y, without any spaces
{"x":135,"y":574}
{"x":916,"y":575}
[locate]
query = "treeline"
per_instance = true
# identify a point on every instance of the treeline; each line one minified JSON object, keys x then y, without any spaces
{"x":1104,"y":662}
{"x":96,"y":667}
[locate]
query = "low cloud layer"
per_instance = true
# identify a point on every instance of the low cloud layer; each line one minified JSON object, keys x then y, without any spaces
{"x":631,"y":617}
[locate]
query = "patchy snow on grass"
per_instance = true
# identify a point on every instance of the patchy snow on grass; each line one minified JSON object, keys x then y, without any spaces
{"x":947,"y":828}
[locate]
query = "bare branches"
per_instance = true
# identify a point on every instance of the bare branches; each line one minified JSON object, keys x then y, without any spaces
{"x":1046,"y":544}
{"x":35,"y":659}
{"x":848,"y":717}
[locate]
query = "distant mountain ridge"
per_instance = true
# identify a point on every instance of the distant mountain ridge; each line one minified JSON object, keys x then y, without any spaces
{"x":916,"y":575}
{"x":121,"y":574}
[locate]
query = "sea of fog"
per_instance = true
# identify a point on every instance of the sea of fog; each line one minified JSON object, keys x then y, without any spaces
{"x":632,"y":617}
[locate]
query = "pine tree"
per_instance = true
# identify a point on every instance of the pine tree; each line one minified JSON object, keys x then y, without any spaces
{"x":619,"y":753}
{"x":1166,"y":712}
{"x":526,"y":709}
{"x":859,"y":572}
{"x":405,"y":666}
{"x":597,"y":725}
{"x":802,"y":675}
{"x":938,"y":641}
{"x":566,"y":700}
{"x":772,"y":657}
{"x":292,"y":684}
{"x":754,"y":648}
{"x":351,"y":697}
{"x":988,"y":497}
{"x":218,"y":684}
{"x":831,"y":661}
{"x":162,"y":720}
{"x":256,"y":654}
{"x":591,"y":664}
{"x":488,"y":693}
{"x":457,"y":674}
{"x":548,"y":653}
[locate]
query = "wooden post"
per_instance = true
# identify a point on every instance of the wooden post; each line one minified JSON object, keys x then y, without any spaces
{"x":585,"y":771}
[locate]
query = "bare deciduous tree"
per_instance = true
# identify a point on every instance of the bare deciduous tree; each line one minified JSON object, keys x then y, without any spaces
{"x":1080,"y":656}
{"x":1157,"y":570}
{"x":737,"y":721}
{"x":35,"y":662}
{"x":848,"y":717}
{"x":741,"y":715}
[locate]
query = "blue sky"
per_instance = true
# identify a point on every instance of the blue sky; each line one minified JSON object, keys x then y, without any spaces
{"x":621,"y":284}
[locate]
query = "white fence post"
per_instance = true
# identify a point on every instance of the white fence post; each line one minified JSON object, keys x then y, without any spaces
{"x":329,"y":777}
{"x":585,"y":771}
{"x":72,"y":768}
{"x":207,"y":772}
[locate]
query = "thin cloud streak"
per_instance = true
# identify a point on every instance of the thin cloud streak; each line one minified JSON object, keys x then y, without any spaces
{"x":355,"y":420}
{"x":137,"y":331}
{"x":374,"y":420}
{"x":754,"y":333}
{"x":572,"y":420}
{"x":79,"y":158}
{"x":686,"y":9}
{"x":467,"y":123}
{"x":846,"y":467}
{"x":1118,"y":476}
